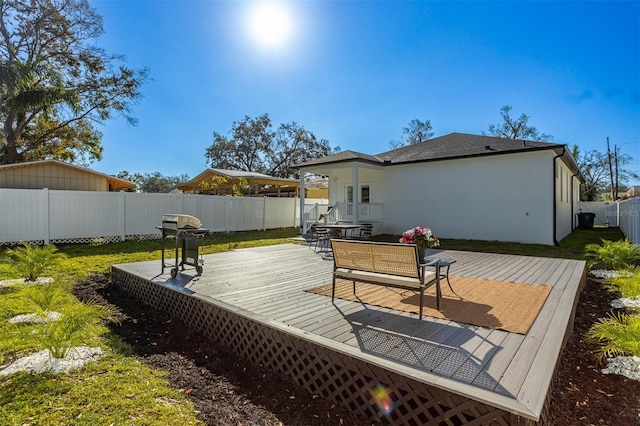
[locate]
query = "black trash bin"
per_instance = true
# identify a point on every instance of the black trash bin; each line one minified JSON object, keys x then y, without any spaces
{"x":585,"y":220}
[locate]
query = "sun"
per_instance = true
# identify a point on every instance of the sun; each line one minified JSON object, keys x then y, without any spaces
{"x":270,"y":24}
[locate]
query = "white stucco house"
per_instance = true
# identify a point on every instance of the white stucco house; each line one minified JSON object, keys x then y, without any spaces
{"x":461,"y":185}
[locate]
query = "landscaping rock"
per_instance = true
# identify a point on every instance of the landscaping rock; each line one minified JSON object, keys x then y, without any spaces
{"x":42,"y":361}
{"x":628,"y":366}
{"x":19,"y":281}
{"x":626,"y":302}
{"x":49,"y":316}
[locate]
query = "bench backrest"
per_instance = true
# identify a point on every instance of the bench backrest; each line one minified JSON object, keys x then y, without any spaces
{"x":385,"y":258}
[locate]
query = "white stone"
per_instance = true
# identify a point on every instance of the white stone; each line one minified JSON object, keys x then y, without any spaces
{"x":19,"y":281}
{"x":628,"y":366}
{"x":42,"y":362}
{"x":606,"y":273}
{"x":35,"y":318}
{"x":626,"y":302}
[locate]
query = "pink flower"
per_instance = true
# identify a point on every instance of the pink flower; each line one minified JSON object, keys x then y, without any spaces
{"x":420,"y":236}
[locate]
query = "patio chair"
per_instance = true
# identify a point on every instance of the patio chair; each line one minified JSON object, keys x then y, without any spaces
{"x":310,"y":236}
{"x":323,"y":238}
{"x":365,"y":233}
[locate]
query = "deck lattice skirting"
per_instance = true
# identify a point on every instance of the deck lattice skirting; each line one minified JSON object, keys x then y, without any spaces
{"x":320,"y":369}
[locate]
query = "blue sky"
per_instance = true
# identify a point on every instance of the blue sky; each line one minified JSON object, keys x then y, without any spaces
{"x":357,"y":72}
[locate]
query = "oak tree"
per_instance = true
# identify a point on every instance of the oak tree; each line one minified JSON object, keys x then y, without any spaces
{"x":516,"y":128}
{"x":416,"y":132}
{"x":56,"y":83}
{"x":252,"y":145}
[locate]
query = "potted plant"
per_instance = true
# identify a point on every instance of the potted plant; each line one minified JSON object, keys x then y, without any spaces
{"x":422,"y":237}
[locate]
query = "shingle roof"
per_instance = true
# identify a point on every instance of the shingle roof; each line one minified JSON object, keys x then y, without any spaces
{"x":454,"y":145}
{"x":342,"y":157}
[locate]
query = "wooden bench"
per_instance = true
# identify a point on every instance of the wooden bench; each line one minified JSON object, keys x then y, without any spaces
{"x":386,"y":264}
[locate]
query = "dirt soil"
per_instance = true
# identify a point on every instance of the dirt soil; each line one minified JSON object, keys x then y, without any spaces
{"x":226,"y":390}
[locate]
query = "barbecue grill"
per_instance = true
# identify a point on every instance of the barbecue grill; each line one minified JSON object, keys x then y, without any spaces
{"x":185,"y":230}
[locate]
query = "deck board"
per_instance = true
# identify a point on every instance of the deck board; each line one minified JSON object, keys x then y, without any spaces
{"x":270,"y":281}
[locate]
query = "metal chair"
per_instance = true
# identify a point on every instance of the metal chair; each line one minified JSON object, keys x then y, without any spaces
{"x":366,"y":230}
{"x":323,"y":238}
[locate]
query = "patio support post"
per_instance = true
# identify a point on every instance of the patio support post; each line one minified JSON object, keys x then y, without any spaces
{"x":303,"y":222}
{"x":356,"y":193}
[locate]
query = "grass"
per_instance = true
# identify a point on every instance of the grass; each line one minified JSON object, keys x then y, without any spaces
{"x":109,"y":390}
{"x":571,"y":247}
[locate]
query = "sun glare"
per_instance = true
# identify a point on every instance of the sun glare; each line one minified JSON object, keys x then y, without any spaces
{"x":270,"y":24}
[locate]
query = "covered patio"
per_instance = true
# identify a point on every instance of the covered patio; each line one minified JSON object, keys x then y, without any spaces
{"x":381,"y":362}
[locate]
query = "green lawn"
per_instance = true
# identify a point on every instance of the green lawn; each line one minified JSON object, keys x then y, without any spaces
{"x":108,"y":391}
{"x":572,"y":247}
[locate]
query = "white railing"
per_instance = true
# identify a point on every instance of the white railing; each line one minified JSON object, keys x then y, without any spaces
{"x":629,"y":219}
{"x":367,"y":212}
{"x":313,"y":213}
{"x":85,"y":216}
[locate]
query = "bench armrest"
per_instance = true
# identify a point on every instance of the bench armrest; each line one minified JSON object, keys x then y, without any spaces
{"x":431,"y":263}
{"x":435,"y":263}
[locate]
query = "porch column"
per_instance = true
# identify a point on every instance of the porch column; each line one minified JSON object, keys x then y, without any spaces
{"x":303,"y":222}
{"x":356,"y":192}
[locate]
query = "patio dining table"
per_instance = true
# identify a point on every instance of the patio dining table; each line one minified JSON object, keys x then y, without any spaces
{"x":340,"y":229}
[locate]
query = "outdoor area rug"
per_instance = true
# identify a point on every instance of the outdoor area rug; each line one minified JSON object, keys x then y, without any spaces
{"x":508,"y":306}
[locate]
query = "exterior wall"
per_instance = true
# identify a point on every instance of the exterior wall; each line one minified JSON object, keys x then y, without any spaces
{"x":504,"y":198}
{"x":341,"y":178}
{"x":52,"y":176}
{"x":567,"y":199}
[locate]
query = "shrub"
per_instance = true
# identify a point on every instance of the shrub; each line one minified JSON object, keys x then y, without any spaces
{"x":617,"y":335}
{"x":616,"y":255}
{"x":45,"y":298}
{"x":76,"y":325}
{"x":31,"y":261}
{"x":626,"y":284}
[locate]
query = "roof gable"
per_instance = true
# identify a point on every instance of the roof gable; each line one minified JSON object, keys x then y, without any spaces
{"x":253,"y":178}
{"x":115,"y":183}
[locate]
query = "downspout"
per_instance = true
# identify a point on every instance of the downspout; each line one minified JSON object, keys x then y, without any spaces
{"x":555,"y":202}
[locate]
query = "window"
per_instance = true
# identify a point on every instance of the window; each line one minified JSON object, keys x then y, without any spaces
{"x":365,"y":194}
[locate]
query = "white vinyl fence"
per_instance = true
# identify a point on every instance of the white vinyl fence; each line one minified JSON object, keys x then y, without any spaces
{"x":85,"y":216}
{"x":624,"y":214}
{"x":629,"y":217}
{"x":606,"y":212}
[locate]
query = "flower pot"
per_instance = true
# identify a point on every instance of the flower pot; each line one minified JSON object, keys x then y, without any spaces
{"x":422,"y":252}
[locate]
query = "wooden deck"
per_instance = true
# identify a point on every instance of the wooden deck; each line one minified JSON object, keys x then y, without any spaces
{"x":461,"y":367}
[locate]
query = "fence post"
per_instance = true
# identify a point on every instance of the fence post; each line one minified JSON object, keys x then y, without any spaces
{"x":264,"y":213}
{"x":45,"y":216}
{"x":123,"y":216}
{"x":227,"y":214}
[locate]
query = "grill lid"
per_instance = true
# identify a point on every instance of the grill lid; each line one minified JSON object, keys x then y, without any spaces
{"x":179,"y":221}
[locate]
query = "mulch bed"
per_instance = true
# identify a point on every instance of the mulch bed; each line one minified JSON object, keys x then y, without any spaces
{"x":226,"y":390}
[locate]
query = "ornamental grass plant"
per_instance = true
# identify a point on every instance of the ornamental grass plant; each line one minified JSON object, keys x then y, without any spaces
{"x":613,"y":255}
{"x":616,"y":335}
{"x":30,"y":260}
{"x":625,"y":284}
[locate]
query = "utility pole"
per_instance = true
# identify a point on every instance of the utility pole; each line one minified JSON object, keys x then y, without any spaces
{"x":615,"y":152}
{"x":610,"y":167}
